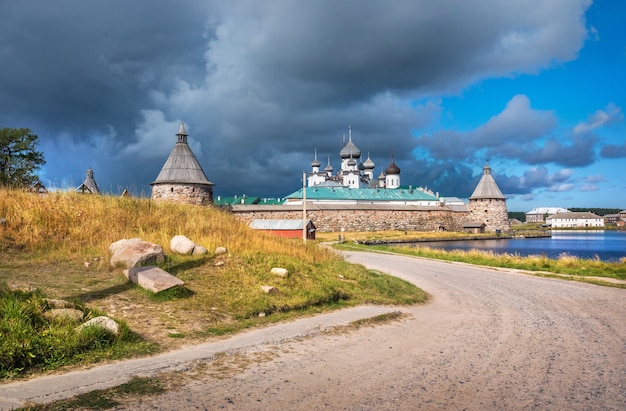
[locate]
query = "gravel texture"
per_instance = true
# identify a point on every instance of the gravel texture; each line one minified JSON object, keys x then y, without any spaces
{"x":487,"y":340}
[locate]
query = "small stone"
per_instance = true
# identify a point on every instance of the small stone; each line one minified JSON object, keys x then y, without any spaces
{"x":270,"y":289}
{"x":220,"y":250}
{"x":280,"y":272}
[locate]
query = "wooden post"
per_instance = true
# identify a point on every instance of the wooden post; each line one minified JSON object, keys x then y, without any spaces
{"x":304,"y":207}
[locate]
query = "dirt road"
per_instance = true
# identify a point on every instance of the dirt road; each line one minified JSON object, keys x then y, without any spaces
{"x":487,"y":340}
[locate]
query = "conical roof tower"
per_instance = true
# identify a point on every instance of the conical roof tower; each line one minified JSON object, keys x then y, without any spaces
{"x":182,"y":179}
{"x":487,"y":204}
{"x":487,"y":187}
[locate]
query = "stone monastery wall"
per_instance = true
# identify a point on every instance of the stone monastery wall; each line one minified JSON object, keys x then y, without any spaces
{"x":365,"y":220}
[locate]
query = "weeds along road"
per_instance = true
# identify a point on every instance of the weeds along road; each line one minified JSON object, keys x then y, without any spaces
{"x":489,"y":339}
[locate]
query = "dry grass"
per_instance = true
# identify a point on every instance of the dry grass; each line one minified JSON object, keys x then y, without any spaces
{"x":68,"y":225}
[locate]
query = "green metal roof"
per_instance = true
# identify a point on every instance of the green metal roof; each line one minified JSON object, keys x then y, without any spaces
{"x":235,"y":200}
{"x":247,"y":200}
{"x":363,"y":194}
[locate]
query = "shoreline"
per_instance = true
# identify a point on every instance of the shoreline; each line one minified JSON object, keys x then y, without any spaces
{"x":438,"y":239}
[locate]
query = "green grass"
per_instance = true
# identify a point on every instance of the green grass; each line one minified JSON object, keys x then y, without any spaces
{"x":576,"y":268}
{"x":30,"y":340}
{"x":108,"y":398}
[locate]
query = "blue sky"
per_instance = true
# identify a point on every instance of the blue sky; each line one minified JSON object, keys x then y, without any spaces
{"x":535,"y":87}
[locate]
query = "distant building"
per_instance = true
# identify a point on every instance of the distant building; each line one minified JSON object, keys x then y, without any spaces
{"x":618,"y":219}
{"x":539,"y":214}
{"x":181,"y":179}
{"x":575,"y":219}
{"x":38,"y":187}
{"x":89,"y":186}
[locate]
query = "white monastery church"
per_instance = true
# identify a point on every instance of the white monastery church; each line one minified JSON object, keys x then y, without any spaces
{"x":353,"y":173}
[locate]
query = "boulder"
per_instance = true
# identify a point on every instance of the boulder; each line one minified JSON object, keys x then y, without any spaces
{"x":152,"y":278}
{"x":280,"y":272}
{"x":102,"y":321}
{"x":182,"y":245}
{"x":199,"y":250}
{"x":135,"y":252}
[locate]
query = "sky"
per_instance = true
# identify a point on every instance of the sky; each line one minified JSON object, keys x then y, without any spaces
{"x":535,"y":87}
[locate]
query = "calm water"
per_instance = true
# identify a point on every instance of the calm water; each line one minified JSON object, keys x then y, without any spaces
{"x":605,"y":245}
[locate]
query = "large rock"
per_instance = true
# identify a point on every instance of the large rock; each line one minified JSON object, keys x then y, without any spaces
{"x":104,"y":322}
{"x":183,"y":245}
{"x":199,"y":250}
{"x":135,"y":252}
{"x":152,"y":278}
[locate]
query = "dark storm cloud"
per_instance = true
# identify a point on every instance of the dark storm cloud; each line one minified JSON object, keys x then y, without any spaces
{"x":261,"y":84}
{"x":75,"y":67}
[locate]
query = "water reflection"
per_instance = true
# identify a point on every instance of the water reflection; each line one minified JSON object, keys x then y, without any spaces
{"x":603,"y":245}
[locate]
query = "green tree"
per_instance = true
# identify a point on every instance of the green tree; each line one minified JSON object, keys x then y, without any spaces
{"x":19,"y":159}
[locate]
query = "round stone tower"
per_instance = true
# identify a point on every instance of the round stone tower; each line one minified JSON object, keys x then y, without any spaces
{"x":487,"y":204}
{"x":181,"y":179}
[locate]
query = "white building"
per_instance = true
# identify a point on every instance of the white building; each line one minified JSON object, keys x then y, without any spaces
{"x":575,"y":219}
{"x":353,"y":173}
{"x":539,"y":214}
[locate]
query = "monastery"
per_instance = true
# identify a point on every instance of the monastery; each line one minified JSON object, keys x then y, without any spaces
{"x":350,"y":200}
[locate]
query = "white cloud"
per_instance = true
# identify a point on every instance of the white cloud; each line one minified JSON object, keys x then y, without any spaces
{"x":612,"y":114}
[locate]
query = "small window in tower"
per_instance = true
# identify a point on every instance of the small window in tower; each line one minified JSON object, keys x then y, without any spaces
{"x":171,"y":189}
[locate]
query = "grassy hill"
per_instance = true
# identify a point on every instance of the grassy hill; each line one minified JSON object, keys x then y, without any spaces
{"x":56,"y":246}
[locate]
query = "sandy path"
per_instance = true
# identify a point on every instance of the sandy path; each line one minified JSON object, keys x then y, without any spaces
{"x":488,"y":340}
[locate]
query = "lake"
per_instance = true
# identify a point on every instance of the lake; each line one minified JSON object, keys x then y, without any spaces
{"x":608,"y":246}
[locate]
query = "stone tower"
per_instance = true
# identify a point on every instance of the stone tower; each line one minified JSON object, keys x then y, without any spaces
{"x":488,"y":205}
{"x":181,"y":179}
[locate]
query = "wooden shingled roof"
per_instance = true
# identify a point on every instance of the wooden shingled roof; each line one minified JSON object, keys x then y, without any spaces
{"x":487,"y":187}
{"x":89,"y":185}
{"x":182,"y":167}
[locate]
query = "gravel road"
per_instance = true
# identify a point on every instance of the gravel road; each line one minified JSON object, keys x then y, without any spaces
{"x":488,"y":340}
